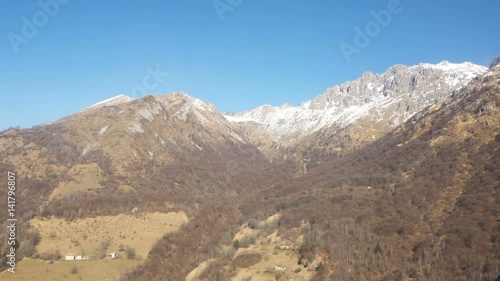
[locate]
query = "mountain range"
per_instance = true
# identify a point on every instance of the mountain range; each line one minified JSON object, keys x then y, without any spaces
{"x":402,"y":90}
{"x":341,"y":119}
{"x":393,"y":176}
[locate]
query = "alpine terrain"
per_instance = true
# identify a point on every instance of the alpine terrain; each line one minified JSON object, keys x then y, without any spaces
{"x":393,"y":176}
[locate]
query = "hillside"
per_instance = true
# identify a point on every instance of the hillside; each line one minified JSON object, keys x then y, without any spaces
{"x":350,"y":115}
{"x":390,"y":177}
{"x":160,"y":154}
{"x":421,"y":201}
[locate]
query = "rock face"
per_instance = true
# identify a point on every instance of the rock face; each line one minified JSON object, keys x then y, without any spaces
{"x":495,"y":62}
{"x":388,"y":98}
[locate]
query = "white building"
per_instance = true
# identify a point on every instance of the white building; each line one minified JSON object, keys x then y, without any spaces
{"x":72,"y":257}
{"x":279,"y":268}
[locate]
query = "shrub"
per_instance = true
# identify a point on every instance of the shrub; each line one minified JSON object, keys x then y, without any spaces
{"x":377,"y":249}
{"x":320,"y":266}
{"x":101,"y":251}
{"x":27,"y":249}
{"x":33,"y":236}
{"x":246,"y":260}
{"x":51,"y":255}
{"x":130,"y":252}
{"x":413,"y":273}
{"x":74,"y":269}
{"x":253,"y":223}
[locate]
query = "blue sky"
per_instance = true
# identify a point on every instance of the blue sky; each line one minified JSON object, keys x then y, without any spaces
{"x":261,"y":51}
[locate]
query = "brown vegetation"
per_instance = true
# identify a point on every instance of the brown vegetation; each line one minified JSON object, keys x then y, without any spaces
{"x":421,"y":202}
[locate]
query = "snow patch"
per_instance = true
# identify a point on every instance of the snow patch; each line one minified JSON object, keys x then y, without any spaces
{"x":103,"y":130}
{"x":120,"y":99}
{"x":136,"y":128}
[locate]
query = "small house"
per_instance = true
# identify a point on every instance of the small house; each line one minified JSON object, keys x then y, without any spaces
{"x":279,"y":268}
{"x":112,"y":255}
{"x":69,"y":257}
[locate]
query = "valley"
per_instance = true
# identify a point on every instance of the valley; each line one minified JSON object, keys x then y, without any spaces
{"x":393,"y":176}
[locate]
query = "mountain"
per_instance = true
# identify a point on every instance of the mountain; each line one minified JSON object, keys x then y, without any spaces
{"x":161,"y":156}
{"x":173,"y":140}
{"x":366,"y":108}
{"x":116,"y":100}
{"x":401,"y":89}
{"x":389,"y":177}
{"x":421,"y":202}
{"x":168,"y":121}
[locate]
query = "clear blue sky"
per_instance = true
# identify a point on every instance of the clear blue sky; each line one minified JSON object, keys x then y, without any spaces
{"x":263,"y":51}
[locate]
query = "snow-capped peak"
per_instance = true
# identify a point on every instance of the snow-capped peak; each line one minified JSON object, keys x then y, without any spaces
{"x":454,"y":67}
{"x":178,"y":98}
{"x":113,"y":101}
{"x":390,"y":98}
{"x":120,"y":99}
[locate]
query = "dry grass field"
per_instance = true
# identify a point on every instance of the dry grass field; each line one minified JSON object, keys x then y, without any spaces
{"x":84,"y":236}
{"x":91,"y":270}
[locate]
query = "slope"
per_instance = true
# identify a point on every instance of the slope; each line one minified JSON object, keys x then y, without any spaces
{"x":357,"y":112}
{"x":164,"y":153}
{"x":421,"y":201}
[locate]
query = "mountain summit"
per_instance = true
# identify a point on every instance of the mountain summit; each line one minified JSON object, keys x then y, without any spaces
{"x":333,"y":121}
{"x":391,"y":98}
{"x":112,"y":101}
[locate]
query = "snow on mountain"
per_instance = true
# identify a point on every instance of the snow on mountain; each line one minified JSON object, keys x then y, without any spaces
{"x":120,"y":99}
{"x":392,"y":97}
{"x":169,"y":109}
{"x":457,"y":74}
